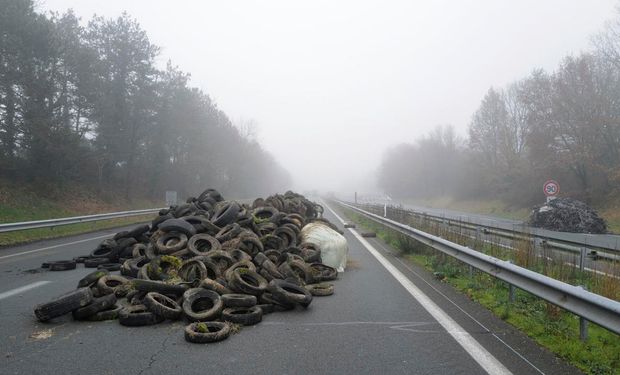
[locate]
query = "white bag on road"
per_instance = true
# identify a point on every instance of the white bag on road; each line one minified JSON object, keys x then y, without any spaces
{"x":332,"y":244}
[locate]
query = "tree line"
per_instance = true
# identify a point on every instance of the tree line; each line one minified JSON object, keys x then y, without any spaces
{"x":86,"y":105}
{"x":563,"y":125}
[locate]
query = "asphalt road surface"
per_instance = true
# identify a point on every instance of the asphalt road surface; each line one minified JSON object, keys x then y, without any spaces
{"x":386,"y":317}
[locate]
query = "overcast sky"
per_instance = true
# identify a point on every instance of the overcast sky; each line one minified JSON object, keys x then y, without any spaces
{"x":332,"y":84}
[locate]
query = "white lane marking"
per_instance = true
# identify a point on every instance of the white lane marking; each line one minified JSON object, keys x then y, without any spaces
{"x":486,"y":360}
{"x":463,"y":311}
{"x":53,"y":247}
{"x":21,"y":289}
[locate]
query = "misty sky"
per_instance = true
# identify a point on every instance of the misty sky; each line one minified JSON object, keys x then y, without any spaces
{"x":332,"y":84}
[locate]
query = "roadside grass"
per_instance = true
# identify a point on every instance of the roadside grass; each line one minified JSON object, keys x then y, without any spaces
{"x":548,"y":325}
{"x":21,"y":204}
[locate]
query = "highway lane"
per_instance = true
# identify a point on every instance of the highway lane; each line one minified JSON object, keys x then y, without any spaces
{"x":371,"y":325}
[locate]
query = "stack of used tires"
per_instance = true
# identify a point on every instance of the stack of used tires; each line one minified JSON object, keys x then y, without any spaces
{"x":212,"y":262}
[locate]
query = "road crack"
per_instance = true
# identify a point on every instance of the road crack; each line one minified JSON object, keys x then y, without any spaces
{"x":153,"y":357}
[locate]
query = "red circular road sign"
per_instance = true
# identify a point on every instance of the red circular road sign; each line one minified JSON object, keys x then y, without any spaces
{"x":551,"y":188}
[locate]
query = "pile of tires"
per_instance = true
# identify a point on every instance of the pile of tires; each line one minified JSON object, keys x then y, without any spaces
{"x":211,"y":262}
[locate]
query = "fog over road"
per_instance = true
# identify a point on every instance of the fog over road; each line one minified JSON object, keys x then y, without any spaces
{"x":331,"y":85}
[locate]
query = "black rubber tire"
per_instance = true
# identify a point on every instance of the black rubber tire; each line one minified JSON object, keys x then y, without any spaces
{"x":273,"y":255}
{"x":246,"y":316}
{"x":289,"y":274}
{"x":265,"y":228}
{"x":242,"y":264}
{"x":287,"y":293}
{"x":91,"y":278}
{"x":109,"y":267}
{"x":311,"y":256}
{"x":62,"y":265}
{"x":221,"y":259}
{"x":259,"y":259}
{"x":138,"y":250}
{"x":226,"y":214}
{"x":158,"y":286}
{"x":160,"y":219}
{"x":113,"y":284}
{"x":105,"y":252}
{"x":368,"y":234}
{"x":239,"y":300}
{"x":108,"y":314}
{"x":198,"y":296}
{"x":138,"y":231}
{"x":272,"y":242}
{"x":202,"y":224}
{"x":265,"y":213}
{"x":131,"y":267}
{"x":216,"y":331}
{"x":81,"y":259}
{"x":124,"y":243}
{"x":192,"y":269}
{"x":302,"y":270}
{"x":166,"y":245}
{"x":321,"y":289}
{"x":267,"y":308}
{"x":246,"y":281}
{"x":95,"y":262}
{"x":177,"y":225}
{"x":228,"y":232}
{"x":97,"y":304}
{"x":63,"y":304}
{"x":270,"y":267}
{"x":213,"y":285}
{"x":250,"y":244}
{"x":138,"y":315}
{"x":323,"y":272}
{"x":267,"y":298}
{"x":160,"y":267}
{"x":212,"y":194}
{"x":265,"y":274}
{"x":348,"y":225}
{"x":240,"y":255}
{"x":183,"y":210}
{"x":287,"y":235}
{"x":119,"y":235}
{"x":201,"y":244}
{"x":162,"y":305}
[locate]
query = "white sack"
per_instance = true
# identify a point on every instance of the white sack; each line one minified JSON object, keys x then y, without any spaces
{"x":332,"y":244}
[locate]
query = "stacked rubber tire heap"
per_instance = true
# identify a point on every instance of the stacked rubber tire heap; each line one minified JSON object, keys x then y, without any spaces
{"x":216,"y":264}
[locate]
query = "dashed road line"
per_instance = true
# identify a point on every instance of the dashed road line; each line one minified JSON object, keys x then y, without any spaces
{"x":22,"y":289}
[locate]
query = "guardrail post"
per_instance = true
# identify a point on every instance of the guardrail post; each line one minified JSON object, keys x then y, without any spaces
{"x":582,"y":258}
{"x":583,"y":324}
{"x":511,"y":290}
{"x":385,"y":210}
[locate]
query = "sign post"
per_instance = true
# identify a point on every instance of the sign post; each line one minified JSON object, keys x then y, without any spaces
{"x":171,"y":198}
{"x":551,"y":188}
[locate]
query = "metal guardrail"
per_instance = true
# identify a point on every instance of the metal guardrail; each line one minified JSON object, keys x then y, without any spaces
{"x":590,"y":306}
{"x":24,"y":225}
{"x":549,"y":239}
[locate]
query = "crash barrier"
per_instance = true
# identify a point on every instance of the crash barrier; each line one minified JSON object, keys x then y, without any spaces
{"x":588,"y":306}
